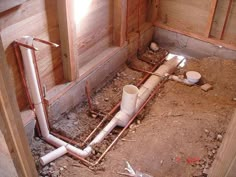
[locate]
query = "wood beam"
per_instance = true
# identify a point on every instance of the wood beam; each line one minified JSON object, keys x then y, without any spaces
{"x":153,"y":7}
{"x":11,"y":124}
{"x":67,"y":35}
{"x":211,"y":17}
{"x":197,"y":36}
{"x":119,"y":21}
{"x":226,"y":19}
{"x":225,"y":161}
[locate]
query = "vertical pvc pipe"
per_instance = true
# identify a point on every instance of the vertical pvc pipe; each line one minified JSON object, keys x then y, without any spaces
{"x":33,"y":84}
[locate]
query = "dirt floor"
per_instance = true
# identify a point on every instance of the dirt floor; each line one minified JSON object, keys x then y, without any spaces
{"x":177,"y":135}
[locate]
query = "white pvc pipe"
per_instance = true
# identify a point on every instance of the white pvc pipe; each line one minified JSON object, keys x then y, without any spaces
{"x":120,"y":119}
{"x":129,"y":99}
{"x":183,"y":81}
{"x":53,"y":155}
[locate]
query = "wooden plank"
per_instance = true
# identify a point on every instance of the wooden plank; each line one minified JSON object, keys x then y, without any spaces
{"x":67,"y":36}
{"x":197,"y":36}
{"x":119,"y":21}
{"x":211,"y":17}
{"x":5,"y":5}
{"x":36,"y":18}
{"x":11,"y":124}
{"x":225,"y":160}
{"x":7,"y":168}
{"x":87,"y":41}
{"x":226,"y":19}
{"x":153,"y":6}
{"x":95,"y":50}
{"x":180,"y":14}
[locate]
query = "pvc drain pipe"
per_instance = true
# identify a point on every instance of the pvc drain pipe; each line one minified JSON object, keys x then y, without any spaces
{"x":120,"y":119}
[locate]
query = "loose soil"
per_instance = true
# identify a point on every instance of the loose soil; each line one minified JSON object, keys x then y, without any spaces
{"x":177,"y":135}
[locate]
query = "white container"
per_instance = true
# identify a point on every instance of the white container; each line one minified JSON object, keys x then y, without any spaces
{"x":193,"y":76}
{"x":129,"y":99}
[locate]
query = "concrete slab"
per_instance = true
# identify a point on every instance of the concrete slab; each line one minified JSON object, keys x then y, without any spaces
{"x":187,"y":46}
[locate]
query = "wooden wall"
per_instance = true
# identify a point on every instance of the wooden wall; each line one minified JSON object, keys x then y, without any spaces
{"x":35,"y":18}
{"x":201,"y":19}
{"x":137,"y":8}
{"x":93,"y":35}
{"x":94,"y":31}
{"x":218,"y":22}
{"x":187,"y":15}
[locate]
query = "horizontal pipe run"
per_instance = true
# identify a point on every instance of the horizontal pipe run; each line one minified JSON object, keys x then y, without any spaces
{"x":120,"y":119}
{"x":87,"y":163}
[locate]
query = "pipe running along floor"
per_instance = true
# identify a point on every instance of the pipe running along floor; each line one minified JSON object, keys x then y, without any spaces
{"x":175,"y":135}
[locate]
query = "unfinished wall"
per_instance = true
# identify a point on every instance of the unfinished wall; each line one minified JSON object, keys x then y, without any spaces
{"x":187,"y":15}
{"x":218,"y":22}
{"x":202,"y":19}
{"x":94,"y":31}
{"x":35,"y":18}
{"x":137,"y":14}
{"x":98,"y":57}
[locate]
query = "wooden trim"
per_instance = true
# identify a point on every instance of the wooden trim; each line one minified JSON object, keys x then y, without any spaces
{"x":119,"y":21}
{"x":226,"y":19}
{"x":67,"y":35}
{"x":197,"y":36}
{"x":226,"y":156}
{"x":211,"y":17}
{"x":11,"y":124}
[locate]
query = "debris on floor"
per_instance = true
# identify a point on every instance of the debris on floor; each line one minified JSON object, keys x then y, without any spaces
{"x":132,"y":172}
{"x":206,"y":87}
{"x":154,"y":47}
{"x":182,"y":127}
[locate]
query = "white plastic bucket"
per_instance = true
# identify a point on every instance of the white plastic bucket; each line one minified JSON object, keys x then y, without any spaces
{"x":129,"y":99}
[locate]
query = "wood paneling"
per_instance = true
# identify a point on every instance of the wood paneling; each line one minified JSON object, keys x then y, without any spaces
{"x":200,"y":19}
{"x":35,"y":18}
{"x":188,"y":15}
{"x":137,"y":8}
{"x":230,"y":32}
{"x":5,"y":5}
{"x":94,"y":31}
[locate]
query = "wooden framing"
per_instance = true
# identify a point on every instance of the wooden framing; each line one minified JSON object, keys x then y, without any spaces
{"x":225,"y":162}
{"x":153,"y":6}
{"x":211,"y":17}
{"x":67,"y":35}
{"x":226,"y":18}
{"x":197,"y":36}
{"x":119,"y":21}
{"x":11,"y":125}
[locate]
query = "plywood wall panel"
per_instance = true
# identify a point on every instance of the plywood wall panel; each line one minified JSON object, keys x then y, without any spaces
{"x":219,"y":18}
{"x":95,"y":50}
{"x":137,"y":14}
{"x":94,"y":31}
{"x":36,"y":18}
{"x":188,"y":15}
{"x":230,"y":29}
{"x":218,"y":22}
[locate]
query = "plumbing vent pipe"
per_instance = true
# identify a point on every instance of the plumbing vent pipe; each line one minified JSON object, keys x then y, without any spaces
{"x":120,"y":119}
